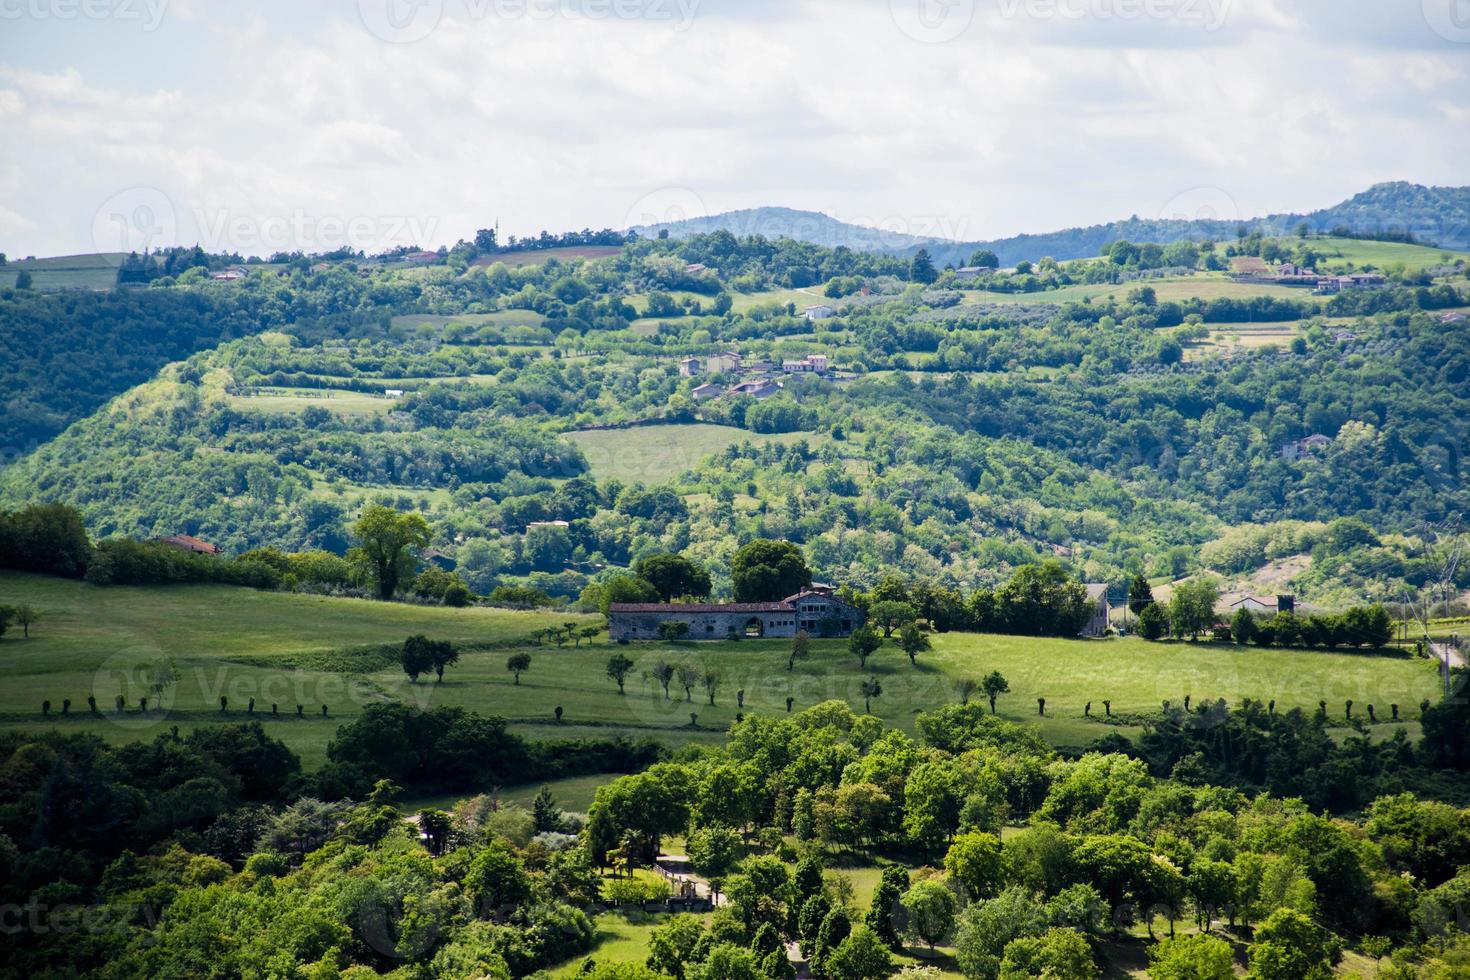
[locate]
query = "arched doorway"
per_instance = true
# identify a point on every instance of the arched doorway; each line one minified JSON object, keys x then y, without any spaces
{"x":755,"y":628}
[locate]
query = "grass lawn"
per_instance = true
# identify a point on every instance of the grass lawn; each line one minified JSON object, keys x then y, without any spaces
{"x":93,"y":271}
{"x":657,"y":453}
{"x":291,"y":649}
{"x":1340,"y":251}
{"x":294,"y":401}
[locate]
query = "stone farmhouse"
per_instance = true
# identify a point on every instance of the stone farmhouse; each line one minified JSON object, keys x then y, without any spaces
{"x":816,"y":610}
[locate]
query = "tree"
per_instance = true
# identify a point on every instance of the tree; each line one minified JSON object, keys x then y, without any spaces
{"x":801,"y":648}
{"x":674,"y":577}
{"x":974,"y":860}
{"x":663,"y":672}
{"x":861,"y":956}
{"x":767,"y":571}
{"x":711,"y":681}
{"x":23,"y":279}
{"x":387,"y":546}
{"x":715,"y":851}
{"x":690,"y":677}
{"x":1140,"y":594}
{"x":863,"y":643}
{"x":443,"y":654}
{"x":995,"y":685}
{"x":930,"y":909}
{"x":1243,"y":626}
{"x":546,"y":814}
{"x":620,"y":589}
{"x":518,"y":664}
{"x":1153,"y":622}
{"x":1192,"y":607}
{"x":1191,"y":958}
{"x":913,"y":641}
{"x":618,"y":669}
{"x":26,"y":616}
{"x":921,"y":268}
{"x":985,"y":259}
{"x":1060,"y":954}
{"x":416,"y":657}
{"x":887,"y":902}
{"x":673,"y":630}
{"x":1290,"y":946}
{"x":890,"y":615}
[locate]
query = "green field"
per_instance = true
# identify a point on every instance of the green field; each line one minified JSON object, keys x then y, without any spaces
{"x":657,"y":453}
{"x":96,"y":271}
{"x":1341,"y":251}
{"x":503,"y":318}
{"x":1205,"y":286}
{"x":293,"y":649}
{"x":293,"y":401}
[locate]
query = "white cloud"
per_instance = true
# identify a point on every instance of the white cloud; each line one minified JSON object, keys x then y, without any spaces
{"x":1019,"y":124}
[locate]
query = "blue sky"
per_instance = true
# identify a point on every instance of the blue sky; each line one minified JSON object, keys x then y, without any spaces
{"x":307,"y":124}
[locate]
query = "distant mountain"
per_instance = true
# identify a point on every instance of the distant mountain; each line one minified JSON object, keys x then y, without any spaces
{"x":1433,"y":215}
{"x":801,"y":226}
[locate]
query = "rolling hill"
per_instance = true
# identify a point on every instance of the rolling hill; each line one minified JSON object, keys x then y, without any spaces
{"x":1437,"y":215}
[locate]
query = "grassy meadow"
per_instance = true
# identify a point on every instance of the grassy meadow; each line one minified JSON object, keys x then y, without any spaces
{"x":657,"y":453}
{"x":308,"y":650}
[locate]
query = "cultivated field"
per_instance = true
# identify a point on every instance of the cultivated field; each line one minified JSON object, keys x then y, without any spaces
{"x":95,"y":271}
{"x":1207,"y":286}
{"x":540,"y":256}
{"x":657,"y":453}
{"x":290,"y":649}
{"x":1342,"y":251}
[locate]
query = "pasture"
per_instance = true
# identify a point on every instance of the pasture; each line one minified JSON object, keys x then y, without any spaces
{"x":1341,"y":252}
{"x":542,"y":255}
{"x":91,"y":271}
{"x":293,"y":401}
{"x":656,"y":453}
{"x":309,"y":650}
{"x":1205,"y":286}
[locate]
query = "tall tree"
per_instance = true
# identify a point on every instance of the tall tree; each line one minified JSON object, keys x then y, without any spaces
{"x":388,"y":544}
{"x":674,"y":577}
{"x":766,"y":571}
{"x":1140,"y":594}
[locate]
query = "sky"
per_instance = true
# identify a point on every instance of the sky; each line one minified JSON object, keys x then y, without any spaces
{"x":267,"y":125}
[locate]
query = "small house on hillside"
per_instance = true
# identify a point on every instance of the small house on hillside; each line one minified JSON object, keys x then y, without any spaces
{"x":820,"y":312}
{"x":689,"y":367}
{"x":707,"y":392}
{"x":187,"y":542}
{"x":723,"y":363}
{"x":1263,"y":606}
{"x":1304,"y":448}
{"x":969,"y":273}
{"x":1097,"y":594}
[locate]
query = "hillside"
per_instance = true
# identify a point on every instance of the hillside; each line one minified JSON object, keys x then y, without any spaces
{"x":1119,"y":417}
{"x":1436,"y":215}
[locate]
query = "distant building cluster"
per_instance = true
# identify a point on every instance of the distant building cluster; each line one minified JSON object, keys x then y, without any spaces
{"x":1251,"y":269}
{"x":759,"y":379}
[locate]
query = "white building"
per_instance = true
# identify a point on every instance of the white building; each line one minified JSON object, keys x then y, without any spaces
{"x":820,"y":312}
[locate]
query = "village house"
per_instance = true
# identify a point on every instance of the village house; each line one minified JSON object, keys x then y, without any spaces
{"x":1265,"y":606}
{"x":812,"y":363}
{"x":820,"y":312}
{"x":689,"y":367}
{"x":1301,"y":448}
{"x":969,"y":273}
{"x":723,"y":363}
{"x":187,"y":542}
{"x":535,"y":524}
{"x":706,"y":392}
{"x":421,"y":258}
{"x":695,"y":268}
{"x":1097,"y":594}
{"x":1452,"y":318}
{"x":816,"y":610}
{"x":233,"y":274}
